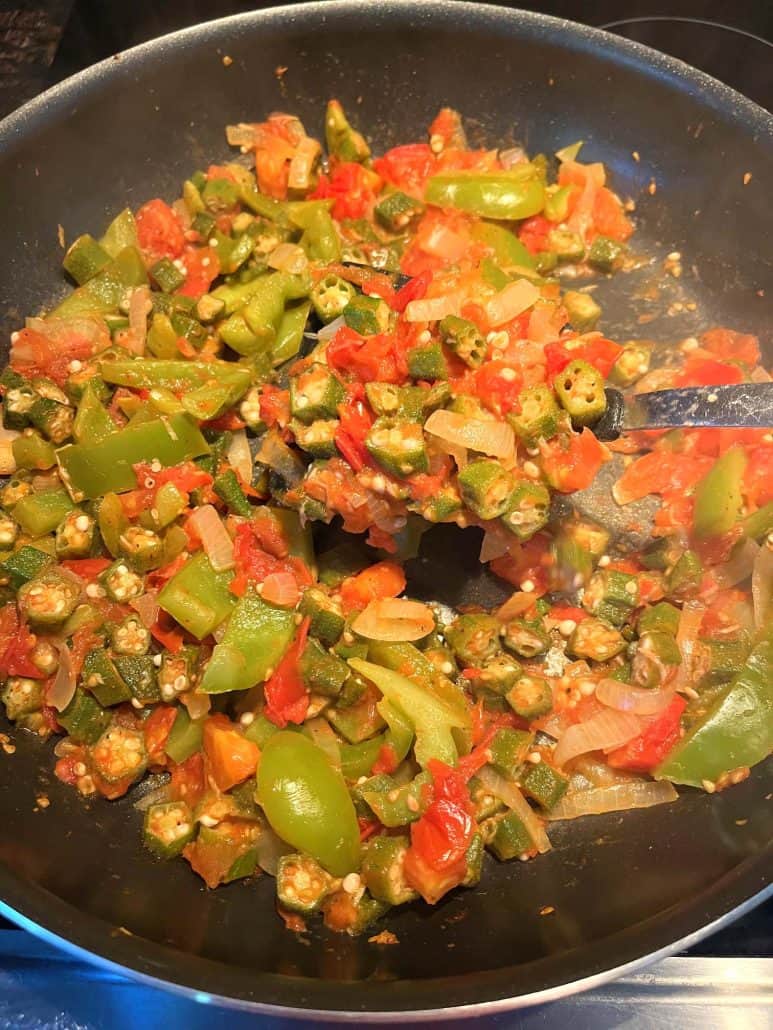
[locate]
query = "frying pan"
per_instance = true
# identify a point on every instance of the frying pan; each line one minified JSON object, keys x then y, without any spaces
{"x":625,"y":888}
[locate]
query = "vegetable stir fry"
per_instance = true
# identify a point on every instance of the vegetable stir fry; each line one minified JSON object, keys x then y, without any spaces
{"x":387,"y":342}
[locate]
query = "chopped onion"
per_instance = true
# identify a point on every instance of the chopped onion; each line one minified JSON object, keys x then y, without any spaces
{"x":507,"y":792}
{"x":495,"y":544}
{"x":598,"y":774}
{"x":444,"y":243}
{"x":739,"y":565}
{"x":197,"y":704}
{"x":241,"y":135}
{"x":515,"y":606}
{"x":288,"y":257}
{"x":690,"y":620}
{"x":327,"y":332}
{"x":63,"y":688}
{"x":569,"y":152}
{"x":146,"y":606}
{"x":281,"y":589}
{"x":618,"y":797}
{"x":604,"y":731}
{"x":154,"y":795}
{"x":432,"y":309}
{"x":488,"y":437}
{"x":638,"y":700}
{"x":510,"y":302}
{"x":214,"y":537}
{"x":239,"y":456}
{"x":512,"y":156}
{"x":762,"y":586}
{"x":270,"y":849}
{"x":302,"y":164}
{"x":394,"y":618}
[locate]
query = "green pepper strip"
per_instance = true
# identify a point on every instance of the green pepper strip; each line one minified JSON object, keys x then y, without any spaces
{"x":257,"y":636}
{"x":510,"y":195}
{"x":736,"y":731}
{"x":106,"y":290}
{"x":38,"y":514}
{"x":93,"y":423}
{"x":307,"y":803}
{"x":93,"y":470}
{"x":289,"y":333}
{"x":718,"y":496}
{"x":433,"y":717}
{"x":198,"y":597}
{"x":146,"y":373}
{"x":508,"y":249}
{"x":358,"y":759}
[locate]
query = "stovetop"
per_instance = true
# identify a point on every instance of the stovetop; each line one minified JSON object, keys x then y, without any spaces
{"x":723,"y":981}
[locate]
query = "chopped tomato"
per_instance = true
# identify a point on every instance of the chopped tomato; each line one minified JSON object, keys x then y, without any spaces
{"x":49,"y":353}
{"x":597,"y":351}
{"x":158,"y":577}
{"x":708,"y":372}
{"x":609,"y":217}
{"x":276,"y":141}
{"x":202,"y":267}
{"x":660,"y":472}
{"x":384,"y":579}
{"x":647,"y":750}
{"x":533,"y":233}
{"x":498,"y":384}
{"x":354,"y":426}
{"x":274,"y":406}
{"x":758,"y":476}
{"x":352,"y":187}
{"x":186,"y":477}
{"x":571,"y":462}
{"x":530,"y":562}
{"x":159,"y":232}
{"x":446,"y":127}
{"x":156,"y":730}
{"x":728,"y":345}
{"x":188,"y":781}
{"x":287,"y":699}
{"x":86,"y":568}
{"x":231,"y":758}
{"x":408,"y":167}
{"x":65,"y":768}
{"x":369,"y":359}
{"x":414,"y":289}
{"x":562,"y":612}
{"x":213,"y":859}
{"x":15,"y":660}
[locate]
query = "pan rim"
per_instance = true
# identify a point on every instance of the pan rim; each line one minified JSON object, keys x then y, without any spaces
{"x":30,"y":906}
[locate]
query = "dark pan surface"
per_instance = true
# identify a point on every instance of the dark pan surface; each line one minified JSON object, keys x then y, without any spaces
{"x":624,"y":887}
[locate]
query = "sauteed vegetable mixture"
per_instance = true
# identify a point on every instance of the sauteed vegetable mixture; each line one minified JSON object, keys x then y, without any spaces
{"x":386,"y":342}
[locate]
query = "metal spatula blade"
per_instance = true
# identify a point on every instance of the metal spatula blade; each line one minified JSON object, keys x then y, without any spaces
{"x":740,"y":406}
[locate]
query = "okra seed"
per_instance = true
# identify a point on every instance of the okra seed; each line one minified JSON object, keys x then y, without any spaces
{"x":535,"y":757}
{"x":157,"y":659}
{"x":393,"y":795}
{"x":708,"y":786}
{"x":80,"y":769}
{"x":530,"y":469}
{"x":209,"y":821}
{"x":566,"y":627}
{"x":604,"y":560}
{"x":136,"y":703}
{"x":75,"y":365}
{"x":167,"y":692}
{"x":351,"y":883}
{"x":631,"y":588}
{"x":247,"y":719}
{"x":425,"y":336}
{"x":587,"y":687}
{"x":527,"y":586}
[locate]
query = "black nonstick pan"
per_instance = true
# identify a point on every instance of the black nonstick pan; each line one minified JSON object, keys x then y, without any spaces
{"x":698,"y":160}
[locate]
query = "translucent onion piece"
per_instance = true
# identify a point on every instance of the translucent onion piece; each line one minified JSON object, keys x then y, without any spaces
{"x":432,"y":309}
{"x":510,"y":302}
{"x":323,"y":735}
{"x":604,"y":731}
{"x":197,"y":704}
{"x":140,"y":306}
{"x":214,"y":537}
{"x":638,"y":700}
{"x":494,"y":545}
{"x":690,"y":620}
{"x":146,"y":606}
{"x":762,"y":587}
{"x":507,"y":792}
{"x":617,"y":797}
{"x":239,"y":456}
{"x":270,"y":849}
{"x":394,"y":618}
{"x":512,"y":156}
{"x":515,"y":606}
{"x":327,"y":332}
{"x":739,"y":566}
{"x":487,"y":437}
{"x":63,"y":688}
{"x":598,"y":774}
{"x":7,"y":460}
{"x":288,"y":257}
{"x":444,"y":243}
{"x":241,"y":135}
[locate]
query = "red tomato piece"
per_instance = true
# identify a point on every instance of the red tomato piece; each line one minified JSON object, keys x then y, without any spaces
{"x":287,"y":699}
{"x":533,"y":233}
{"x":352,"y":187}
{"x":609,"y":217}
{"x":728,"y":345}
{"x":384,"y":579}
{"x":188,"y":781}
{"x":571,"y":463}
{"x":647,"y":750}
{"x":708,"y":372}
{"x":408,"y":167}
{"x":159,"y":232}
{"x":498,"y":385}
{"x":231,"y":757}
{"x":156,"y":730}
{"x":202,"y":267}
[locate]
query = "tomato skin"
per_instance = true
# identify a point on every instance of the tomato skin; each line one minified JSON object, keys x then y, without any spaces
{"x":159,"y":232}
{"x":728,"y":345}
{"x":649,"y":749}
{"x":609,"y":217}
{"x":386,"y":761}
{"x":571,"y":463}
{"x":287,"y":699}
{"x":16,"y":642}
{"x":498,"y":385}
{"x":188,"y":781}
{"x":415,"y":289}
{"x":352,"y":187}
{"x":531,"y":561}
{"x":274,"y":406}
{"x":166,"y":631}
{"x":369,"y":359}
{"x":533,"y":233}
{"x":156,"y":730}
{"x":708,"y":372}
{"x":86,"y":568}
{"x":354,"y":426}
{"x":408,"y":167}
{"x":758,"y":476}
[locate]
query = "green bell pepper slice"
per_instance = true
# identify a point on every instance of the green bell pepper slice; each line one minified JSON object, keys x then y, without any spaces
{"x":735,"y":731}
{"x":93,"y":423}
{"x":106,"y":290}
{"x":198,"y":597}
{"x":289,"y":333}
{"x":508,"y":249}
{"x":38,"y":514}
{"x":718,"y":496}
{"x":509,"y":195}
{"x":307,"y":803}
{"x":433,"y":716}
{"x":89,"y":471}
{"x":120,"y":234}
{"x":31,"y":451}
{"x":257,"y":636}
{"x":185,"y":737}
